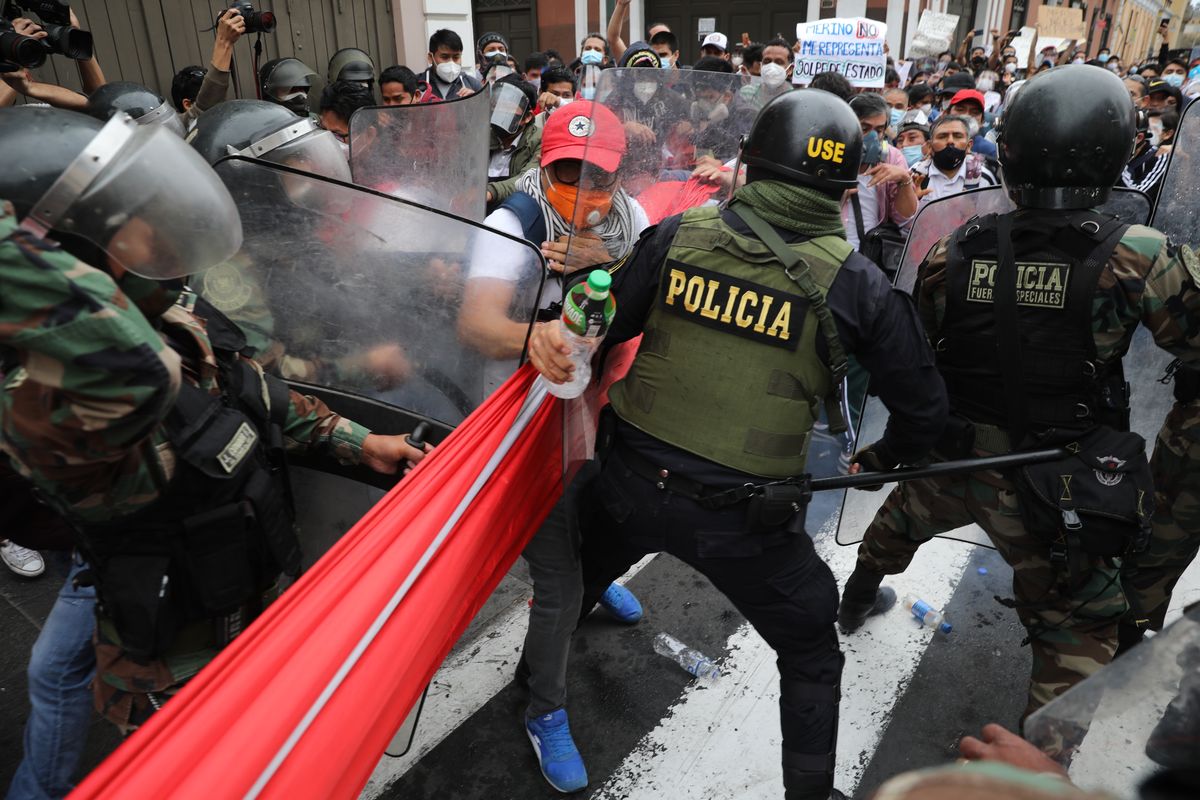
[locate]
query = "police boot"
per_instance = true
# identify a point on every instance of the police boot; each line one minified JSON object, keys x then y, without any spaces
{"x":800,"y":783}
{"x":863,"y":597}
{"x":1128,"y":635}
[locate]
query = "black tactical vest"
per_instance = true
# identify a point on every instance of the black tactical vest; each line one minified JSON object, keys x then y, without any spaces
{"x":222,"y":530}
{"x":1059,"y":259}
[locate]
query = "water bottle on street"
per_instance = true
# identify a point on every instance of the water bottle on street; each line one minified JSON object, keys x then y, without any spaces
{"x":925,"y":613}
{"x":588,"y":310}
{"x":691,"y":660}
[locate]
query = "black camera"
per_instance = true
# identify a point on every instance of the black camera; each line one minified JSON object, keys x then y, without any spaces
{"x":17,"y":51}
{"x":256,"y":21}
{"x":54,"y":16}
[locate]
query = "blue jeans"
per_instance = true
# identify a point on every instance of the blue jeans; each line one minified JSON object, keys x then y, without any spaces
{"x":61,"y":667}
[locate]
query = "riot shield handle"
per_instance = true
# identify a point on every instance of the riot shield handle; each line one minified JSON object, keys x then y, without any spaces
{"x":417,"y":437}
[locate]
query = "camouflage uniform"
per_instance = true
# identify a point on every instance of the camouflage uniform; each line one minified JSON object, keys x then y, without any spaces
{"x":80,"y":418}
{"x":1073,"y":632}
{"x":1175,"y":539}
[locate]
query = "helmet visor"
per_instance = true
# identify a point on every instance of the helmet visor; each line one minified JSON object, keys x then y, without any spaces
{"x":156,"y":208}
{"x":305,"y":146}
{"x":509,"y":106}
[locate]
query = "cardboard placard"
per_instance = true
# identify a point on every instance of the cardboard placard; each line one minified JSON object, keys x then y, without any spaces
{"x":852,"y":46}
{"x":1061,"y":22}
{"x":935,"y":34}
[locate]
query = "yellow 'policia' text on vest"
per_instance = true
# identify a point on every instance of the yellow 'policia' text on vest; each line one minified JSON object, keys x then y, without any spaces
{"x":728,"y":367}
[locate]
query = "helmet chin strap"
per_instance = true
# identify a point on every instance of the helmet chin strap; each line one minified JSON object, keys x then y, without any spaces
{"x":101,"y":151}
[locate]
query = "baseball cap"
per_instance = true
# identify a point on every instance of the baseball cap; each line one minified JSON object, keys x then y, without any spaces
{"x":716,"y":40}
{"x":914,"y":120}
{"x":955,"y":82}
{"x":1159,"y":86}
{"x":585,"y":130}
{"x":968,"y":94}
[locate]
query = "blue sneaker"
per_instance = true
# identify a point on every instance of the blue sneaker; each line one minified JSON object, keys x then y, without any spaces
{"x":556,"y":753}
{"x":621,"y":603}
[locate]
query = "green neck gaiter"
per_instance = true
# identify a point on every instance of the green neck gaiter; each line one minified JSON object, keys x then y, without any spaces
{"x":795,"y":208}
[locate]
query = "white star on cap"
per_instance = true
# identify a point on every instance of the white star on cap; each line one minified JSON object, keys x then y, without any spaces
{"x":580,"y":126}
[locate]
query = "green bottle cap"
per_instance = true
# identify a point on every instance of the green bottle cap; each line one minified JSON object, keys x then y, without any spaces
{"x":599,"y":281}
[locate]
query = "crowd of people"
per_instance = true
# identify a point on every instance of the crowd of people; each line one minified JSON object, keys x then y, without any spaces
{"x":657,"y":162}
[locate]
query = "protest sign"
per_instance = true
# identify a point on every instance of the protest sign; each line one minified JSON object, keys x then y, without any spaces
{"x":1023,"y":45}
{"x":903,"y":68}
{"x":852,"y":46}
{"x":935,"y":34}
{"x":1060,"y":22}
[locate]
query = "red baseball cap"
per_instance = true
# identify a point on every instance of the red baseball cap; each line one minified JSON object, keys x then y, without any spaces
{"x":585,"y":130}
{"x":968,"y":94}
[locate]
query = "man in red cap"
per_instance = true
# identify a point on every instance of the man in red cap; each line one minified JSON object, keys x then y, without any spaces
{"x":572,"y":206}
{"x":969,"y":103}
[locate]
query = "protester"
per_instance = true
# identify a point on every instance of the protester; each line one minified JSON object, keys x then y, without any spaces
{"x":949,"y":166}
{"x":516,"y":144}
{"x":339,"y":101}
{"x":775,"y":61}
{"x":535,"y":64}
{"x":1161,"y":95}
{"x":834,"y":83}
{"x":1148,"y":164}
{"x":558,"y":90}
{"x":444,"y":75}
{"x":912,"y":136}
{"x":491,"y":50}
{"x":1137,"y":90}
{"x":969,"y":104}
{"x":885,"y":192}
{"x":399,"y":86}
{"x":666,"y":44}
{"x":715,"y":44}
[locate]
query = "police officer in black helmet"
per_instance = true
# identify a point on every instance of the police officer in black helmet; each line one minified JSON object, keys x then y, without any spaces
{"x":1031,"y":313}
{"x":145,"y":106}
{"x":748,"y":314}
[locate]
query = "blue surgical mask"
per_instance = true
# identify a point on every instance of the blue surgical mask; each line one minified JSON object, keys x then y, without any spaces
{"x":591,"y":58}
{"x":913,"y":153}
{"x":872,"y":150}
{"x":588,"y":92}
{"x":897,"y":115}
{"x":1175,"y":79}
{"x":665,"y":62}
{"x":1102,"y":58}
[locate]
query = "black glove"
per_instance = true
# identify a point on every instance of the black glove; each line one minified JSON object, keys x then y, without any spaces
{"x":875,"y":457}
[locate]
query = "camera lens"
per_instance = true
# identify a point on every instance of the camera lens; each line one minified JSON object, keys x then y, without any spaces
{"x":68,"y":41}
{"x":266,"y":21}
{"x":24,"y":51}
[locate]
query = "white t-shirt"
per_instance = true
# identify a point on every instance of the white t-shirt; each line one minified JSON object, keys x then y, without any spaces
{"x":501,"y":259}
{"x":868,"y":198}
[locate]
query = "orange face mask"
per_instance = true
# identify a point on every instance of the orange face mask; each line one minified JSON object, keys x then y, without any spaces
{"x":585,"y":208}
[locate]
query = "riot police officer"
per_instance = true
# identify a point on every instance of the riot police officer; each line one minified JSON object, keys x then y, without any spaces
{"x":286,"y":81}
{"x":145,"y":106}
{"x":1030,"y":313}
{"x":135,"y":416}
{"x":748,"y":314}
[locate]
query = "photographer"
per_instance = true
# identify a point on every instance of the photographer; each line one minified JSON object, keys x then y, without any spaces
{"x":21,"y":83}
{"x":192,"y":97}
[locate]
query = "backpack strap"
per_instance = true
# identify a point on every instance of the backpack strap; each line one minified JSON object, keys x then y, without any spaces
{"x":798,"y":270}
{"x":529,"y":212}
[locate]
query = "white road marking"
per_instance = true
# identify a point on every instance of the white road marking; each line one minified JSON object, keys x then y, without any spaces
{"x":467,"y":680}
{"x":724,"y":741}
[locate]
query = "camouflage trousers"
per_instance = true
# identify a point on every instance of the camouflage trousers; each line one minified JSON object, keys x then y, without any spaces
{"x":1072,"y":628}
{"x":1151,"y":576}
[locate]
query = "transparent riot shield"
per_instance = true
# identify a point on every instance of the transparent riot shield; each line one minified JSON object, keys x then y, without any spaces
{"x":1137,"y":716}
{"x":1144,"y":363}
{"x":1177,"y":212}
{"x":435,"y":154}
{"x":367,"y":294}
{"x":681,"y":131}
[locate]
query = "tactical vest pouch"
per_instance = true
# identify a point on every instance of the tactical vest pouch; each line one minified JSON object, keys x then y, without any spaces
{"x":1099,"y":500}
{"x":218,"y":560}
{"x":781,"y":505}
{"x":271,"y":510}
{"x":138,"y":595}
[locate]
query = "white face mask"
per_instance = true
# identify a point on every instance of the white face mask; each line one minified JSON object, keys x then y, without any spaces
{"x":644,"y":91}
{"x":736,"y":61}
{"x":972,"y":127}
{"x":773,"y":75}
{"x":985,"y":84}
{"x":1011,"y":68}
{"x":449,"y":71}
{"x":1155,"y":134}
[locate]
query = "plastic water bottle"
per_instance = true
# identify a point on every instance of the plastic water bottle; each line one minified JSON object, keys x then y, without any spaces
{"x":925,"y":613}
{"x":588,"y":310}
{"x":691,"y":660}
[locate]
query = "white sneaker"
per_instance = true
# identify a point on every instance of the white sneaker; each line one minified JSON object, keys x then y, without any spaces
{"x":21,"y":560}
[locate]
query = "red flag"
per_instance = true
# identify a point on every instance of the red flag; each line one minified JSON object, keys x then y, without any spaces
{"x":304,"y":702}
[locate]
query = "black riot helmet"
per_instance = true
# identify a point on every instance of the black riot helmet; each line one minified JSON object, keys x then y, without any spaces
{"x":1064,"y":139}
{"x":351,"y":64}
{"x":810,"y":137}
{"x":279,"y":76}
{"x":145,"y":106}
{"x":136,"y":192}
{"x":258,"y":129}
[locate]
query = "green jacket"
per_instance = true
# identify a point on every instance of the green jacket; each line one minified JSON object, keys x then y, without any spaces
{"x":527,"y":156}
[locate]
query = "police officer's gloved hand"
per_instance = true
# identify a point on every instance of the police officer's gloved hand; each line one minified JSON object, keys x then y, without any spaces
{"x":875,"y":457}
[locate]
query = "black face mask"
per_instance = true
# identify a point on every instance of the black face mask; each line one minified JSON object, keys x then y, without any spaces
{"x":949,"y":157}
{"x":297,"y":105}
